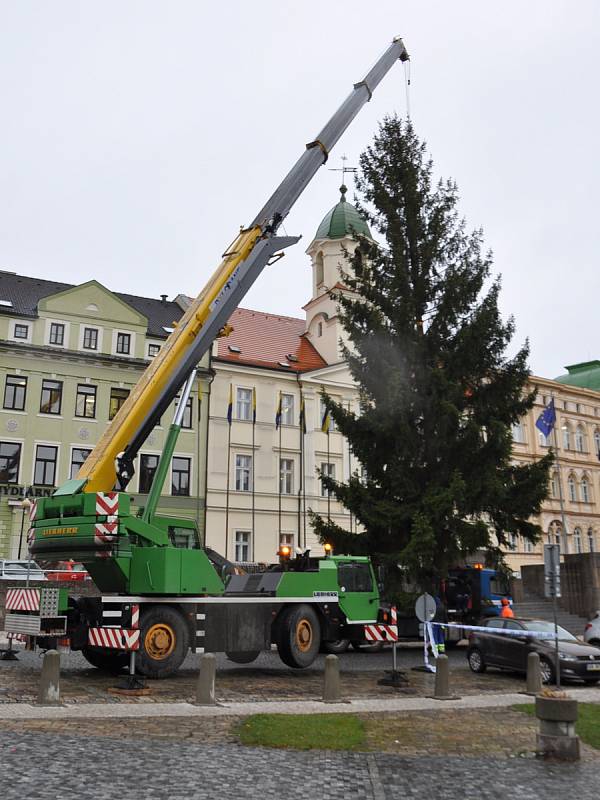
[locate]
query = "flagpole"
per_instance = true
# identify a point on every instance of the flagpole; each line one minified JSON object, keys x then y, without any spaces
{"x":560,"y":489}
{"x":304,"y":470}
{"x":301,"y":477}
{"x":279,"y":474}
{"x":253,"y":471}
{"x":229,"y":417}
{"x":329,"y":474}
{"x":350,"y":475}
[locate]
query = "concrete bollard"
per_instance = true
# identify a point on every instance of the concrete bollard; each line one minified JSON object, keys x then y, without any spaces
{"x":442,"y":681}
{"x":534,"y":674}
{"x":205,"y":688}
{"x":556,"y":737}
{"x":332,"y":692}
{"x":49,"y":691}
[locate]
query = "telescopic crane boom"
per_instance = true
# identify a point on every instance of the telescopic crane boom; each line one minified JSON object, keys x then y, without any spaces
{"x":110,"y":464}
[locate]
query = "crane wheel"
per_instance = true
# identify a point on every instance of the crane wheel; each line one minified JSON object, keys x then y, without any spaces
{"x":298,"y":636}
{"x":164,"y":642}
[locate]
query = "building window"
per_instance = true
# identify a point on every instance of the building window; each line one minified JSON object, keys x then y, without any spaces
{"x":153,"y":350}
{"x":148,"y":465}
{"x":21,"y":331}
{"x":44,"y":473}
{"x":57,"y":333}
{"x":527,"y":546}
{"x":554,"y":490}
{"x":585,"y":490}
{"x":286,"y":475}
{"x":572,"y":486}
{"x":566,"y":437}
{"x":518,"y":434}
{"x":512,"y":541}
{"x":580,"y":439}
{"x":186,"y":421}
{"x":15,"y":391}
{"x":319,"y":329}
{"x":85,"y":401}
{"x":322,"y":414}
{"x":329,"y":471}
{"x":287,"y":409}
{"x":10,"y":459}
{"x":597,"y":443}
{"x":242,"y":546}
{"x":243,"y":404}
{"x":117,"y":398}
{"x":320,"y":271}
{"x":287,"y":540}
{"x":577,"y":540}
{"x":123,"y":343}
{"x":51,"y":399}
{"x":590,"y":536}
{"x":243,"y":468}
{"x":545,"y":441}
{"x":180,"y":481}
{"x":90,"y":339}
{"x":78,"y":457}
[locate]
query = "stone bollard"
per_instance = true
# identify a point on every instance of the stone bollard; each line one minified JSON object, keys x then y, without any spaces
{"x":556,"y":737}
{"x":205,"y":688}
{"x":442,"y":679}
{"x":49,"y":691}
{"x":534,"y":674}
{"x":331,"y":685}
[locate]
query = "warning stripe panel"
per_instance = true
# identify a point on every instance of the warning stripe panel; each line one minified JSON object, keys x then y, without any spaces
{"x":22,"y":600}
{"x":381,"y":633}
{"x":115,"y":638}
{"x":107,"y":504}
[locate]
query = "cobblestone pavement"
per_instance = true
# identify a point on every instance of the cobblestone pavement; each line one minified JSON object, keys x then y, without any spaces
{"x":64,"y":767}
{"x":265,"y":679}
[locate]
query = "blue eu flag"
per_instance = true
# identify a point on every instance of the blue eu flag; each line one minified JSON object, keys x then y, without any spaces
{"x":545,"y":421}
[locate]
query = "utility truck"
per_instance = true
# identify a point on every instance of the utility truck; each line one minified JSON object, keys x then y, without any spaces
{"x":158,"y":601}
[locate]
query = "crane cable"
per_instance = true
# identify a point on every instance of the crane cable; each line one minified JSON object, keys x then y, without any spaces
{"x":406,"y":65}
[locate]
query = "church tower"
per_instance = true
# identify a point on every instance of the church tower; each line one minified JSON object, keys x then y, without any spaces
{"x":335,"y":233}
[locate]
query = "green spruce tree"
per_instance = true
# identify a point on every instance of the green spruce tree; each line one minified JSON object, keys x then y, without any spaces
{"x":438,"y":394}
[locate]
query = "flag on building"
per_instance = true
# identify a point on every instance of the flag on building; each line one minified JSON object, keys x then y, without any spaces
{"x":254,"y":405}
{"x":326,"y":421}
{"x":278,"y":414}
{"x":230,"y":404}
{"x":302,"y":415}
{"x":547,"y":419}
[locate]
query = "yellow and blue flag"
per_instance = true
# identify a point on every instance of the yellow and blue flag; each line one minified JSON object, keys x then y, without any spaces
{"x":302,"y":415}
{"x":230,"y":404}
{"x":253,"y":405}
{"x":278,"y":414}
{"x":326,"y":421}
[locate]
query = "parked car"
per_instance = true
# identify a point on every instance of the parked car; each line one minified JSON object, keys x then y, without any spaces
{"x":591,"y":633}
{"x":68,"y":571}
{"x":578,"y":660}
{"x":17,"y":571}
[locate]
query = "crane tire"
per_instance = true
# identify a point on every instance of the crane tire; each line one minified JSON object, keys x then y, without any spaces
{"x":164,"y":641}
{"x":298,"y":636}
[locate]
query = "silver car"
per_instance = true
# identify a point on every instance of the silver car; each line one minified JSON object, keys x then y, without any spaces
{"x":17,"y":571}
{"x":591,"y":633}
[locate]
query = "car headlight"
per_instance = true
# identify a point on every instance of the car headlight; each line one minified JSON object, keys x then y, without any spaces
{"x":566,"y":656}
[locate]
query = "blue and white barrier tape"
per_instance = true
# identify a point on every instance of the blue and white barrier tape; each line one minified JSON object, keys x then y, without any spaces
{"x":501,"y":631}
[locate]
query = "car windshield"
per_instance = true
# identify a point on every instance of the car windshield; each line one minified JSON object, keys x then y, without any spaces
{"x":541,"y":626}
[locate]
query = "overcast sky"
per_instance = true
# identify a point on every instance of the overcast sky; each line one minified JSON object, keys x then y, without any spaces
{"x":137,"y":136}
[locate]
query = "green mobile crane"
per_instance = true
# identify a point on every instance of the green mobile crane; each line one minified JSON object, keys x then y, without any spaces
{"x":159,"y":600}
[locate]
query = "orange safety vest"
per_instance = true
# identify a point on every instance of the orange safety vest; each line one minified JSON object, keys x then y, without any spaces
{"x":507,"y":612}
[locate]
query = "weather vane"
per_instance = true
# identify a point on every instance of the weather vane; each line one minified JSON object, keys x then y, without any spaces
{"x":344,"y":169}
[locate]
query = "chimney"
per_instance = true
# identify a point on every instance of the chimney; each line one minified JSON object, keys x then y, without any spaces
{"x":163,"y":299}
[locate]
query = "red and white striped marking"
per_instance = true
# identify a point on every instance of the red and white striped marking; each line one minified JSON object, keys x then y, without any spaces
{"x":107,"y":504}
{"x":135,"y":616}
{"x":384,"y":633}
{"x":115,"y":638}
{"x":23,"y":600}
{"x":33,"y":510}
{"x":105,"y":532}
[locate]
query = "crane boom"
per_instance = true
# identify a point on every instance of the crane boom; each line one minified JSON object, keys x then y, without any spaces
{"x":110,"y":464}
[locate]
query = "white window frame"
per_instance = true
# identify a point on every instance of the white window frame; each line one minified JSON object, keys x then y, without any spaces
{"x":286,"y":476}
{"x":36,"y":444}
{"x":152,"y":344}
{"x":245,"y":542}
{"x":287,"y":540}
{"x":28,"y":324}
{"x":328,"y":469}
{"x":580,"y":439}
{"x":572,"y":489}
{"x":76,"y":447}
{"x":577,"y":540}
{"x":518,"y":433}
{"x":240,"y":470}
{"x":243,"y":404}
{"x":585,"y":492}
{"x":287,"y":409}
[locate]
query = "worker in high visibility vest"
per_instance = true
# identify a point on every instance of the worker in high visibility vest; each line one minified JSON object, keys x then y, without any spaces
{"x":506,"y":609}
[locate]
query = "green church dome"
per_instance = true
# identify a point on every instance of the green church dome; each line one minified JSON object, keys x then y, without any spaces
{"x":585,"y":375}
{"x":343,"y":220}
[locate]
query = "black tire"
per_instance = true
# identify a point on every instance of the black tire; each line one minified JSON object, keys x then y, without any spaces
{"x":112,"y":661}
{"x":339,"y":646}
{"x":164,"y":642}
{"x":298,"y":636}
{"x":243,"y":656}
{"x":364,"y":647}
{"x":547,"y":670}
{"x":476,"y":660}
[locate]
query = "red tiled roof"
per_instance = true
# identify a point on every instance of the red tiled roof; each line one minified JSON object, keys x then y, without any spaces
{"x":266,"y":339}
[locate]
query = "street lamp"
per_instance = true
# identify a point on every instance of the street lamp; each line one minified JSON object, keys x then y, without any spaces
{"x":25,"y":505}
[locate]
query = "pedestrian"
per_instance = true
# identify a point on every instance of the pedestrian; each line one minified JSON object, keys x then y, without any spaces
{"x":441,"y":615}
{"x":506,"y":609}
